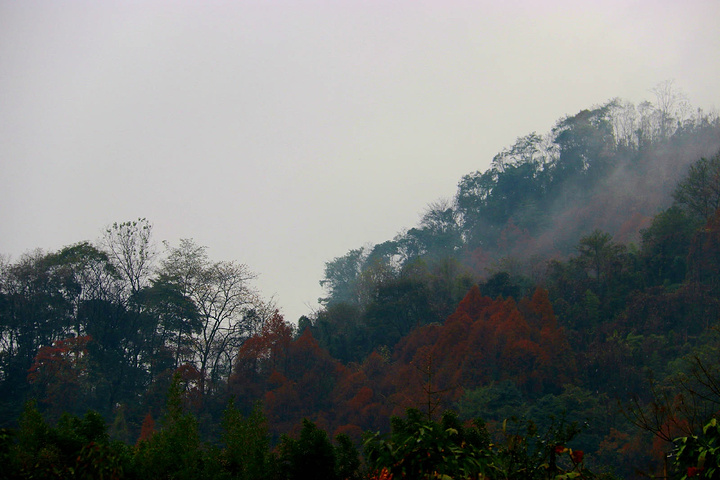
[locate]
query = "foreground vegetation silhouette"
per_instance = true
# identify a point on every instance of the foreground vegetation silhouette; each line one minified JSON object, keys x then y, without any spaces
{"x":416,"y":448}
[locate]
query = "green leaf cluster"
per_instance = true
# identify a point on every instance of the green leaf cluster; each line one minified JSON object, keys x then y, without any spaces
{"x":699,"y":455}
{"x":312,"y":456}
{"x":420,"y":448}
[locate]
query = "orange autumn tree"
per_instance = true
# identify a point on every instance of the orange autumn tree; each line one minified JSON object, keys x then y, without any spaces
{"x":358,"y":408}
{"x":293,"y":376}
{"x":59,"y":372}
{"x":361,"y":396}
{"x":340,"y":399}
{"x":484,"y":341}
{"x":147,"y":429}
{"x":304,"y":388}
{"x":259,"y":358}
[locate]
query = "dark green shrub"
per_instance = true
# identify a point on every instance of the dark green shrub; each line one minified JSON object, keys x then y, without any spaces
{"x":309,"y":457}
{"x":420,"y":448}
{"x":174,"y":452}
{"x":74,"y":448}
{"x":246,"y":455}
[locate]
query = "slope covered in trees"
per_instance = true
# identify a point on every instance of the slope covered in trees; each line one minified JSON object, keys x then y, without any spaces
{"x":104,"y":327}
{"x":573,"y":282}
{"x":612,"y":214}
{"x":612,"y":168}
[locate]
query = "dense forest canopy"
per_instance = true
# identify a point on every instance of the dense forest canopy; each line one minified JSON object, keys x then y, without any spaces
{"x":613,"y":168}
{"x":575,"y":280}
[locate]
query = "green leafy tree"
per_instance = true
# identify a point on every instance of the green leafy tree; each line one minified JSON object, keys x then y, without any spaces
{"x":665,"y":245}
{"x":494,"y":402}
{"x":172,"y":322}
{"x":525,"y":451}
{"x":585,"y":140}
{"x":699,"y":455}
{"x":309,"y":457}
{"x":419,"y":448}
{"x":75,"y":448}
{"x":246,"y":454}
{"x":500,"y":284}
{"x":438,"y":234}
{"x":397,"y":308}
{"x":347,"y":458}
{"x":339,"y":328}
{"x":341,"y":278}
{"x":600,"y":256}
{"x":699,"y":192}
{"x":36,"y":310}
{"x":472,"y":198}
{"x":175,"y":451}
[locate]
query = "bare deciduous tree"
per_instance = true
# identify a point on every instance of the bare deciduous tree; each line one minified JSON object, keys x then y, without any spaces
{"x":225,"y":300}
{"x":130,"y":249}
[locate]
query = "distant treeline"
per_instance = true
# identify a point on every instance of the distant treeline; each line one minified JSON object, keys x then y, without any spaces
{"x":576,"y":281}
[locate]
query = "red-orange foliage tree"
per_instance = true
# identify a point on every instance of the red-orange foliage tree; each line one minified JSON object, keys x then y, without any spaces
{"x":485,"y":340}
{"x":294,"y":377}
{"x":258,"y":358}
{"x":59,"y":371}
{"x":304,"y":388}
{"x":147,"y":429}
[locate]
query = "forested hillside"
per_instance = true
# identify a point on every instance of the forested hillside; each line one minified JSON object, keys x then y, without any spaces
{"x":573,"y":283}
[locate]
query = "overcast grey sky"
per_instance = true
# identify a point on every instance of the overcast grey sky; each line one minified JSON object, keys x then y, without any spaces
{"x":281,"y":134}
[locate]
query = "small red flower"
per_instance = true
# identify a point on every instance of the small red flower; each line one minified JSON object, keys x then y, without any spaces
{"x":692,"y":471}
{"x":577,"y":456}
{"x":384,"y":474}
{"x":559,"y":449}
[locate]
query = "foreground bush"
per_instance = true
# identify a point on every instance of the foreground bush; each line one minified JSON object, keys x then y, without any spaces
{"x":417,"y":448}
{"x":420,"y":448}
{"x":699,"y":455}
{"x":74,"y":448}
